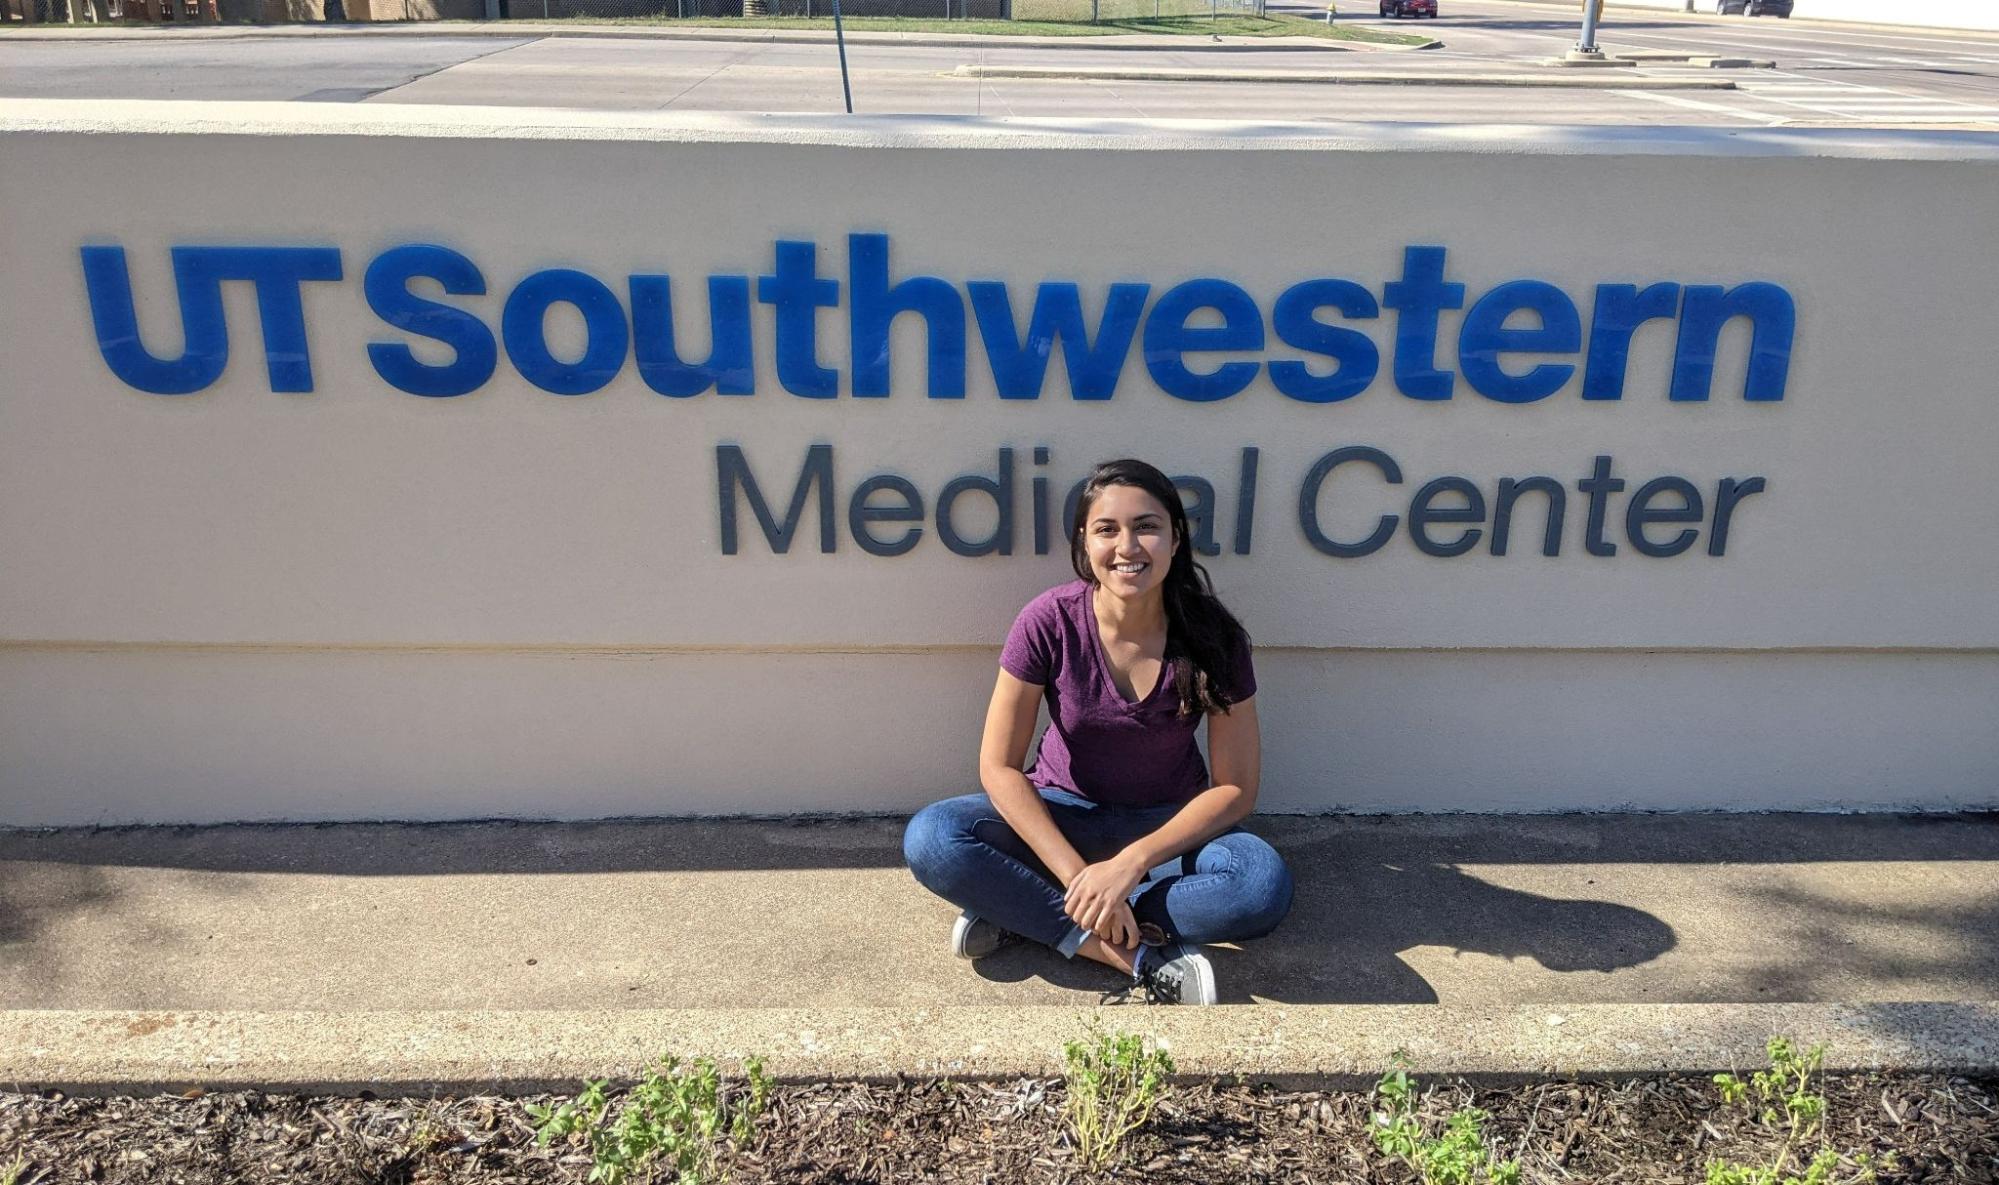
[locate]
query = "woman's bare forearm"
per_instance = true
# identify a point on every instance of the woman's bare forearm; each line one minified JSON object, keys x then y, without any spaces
{"x":1205,"y":816}
{"x":1020,"y":805}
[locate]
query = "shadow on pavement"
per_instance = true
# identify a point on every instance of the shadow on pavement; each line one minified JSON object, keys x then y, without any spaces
{"x":1349,"y":923}
{"x":740,"y":844}
{"x":1389,"y":910}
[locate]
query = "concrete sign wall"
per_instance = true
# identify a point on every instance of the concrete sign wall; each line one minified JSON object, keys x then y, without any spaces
{"x":434,"y":463}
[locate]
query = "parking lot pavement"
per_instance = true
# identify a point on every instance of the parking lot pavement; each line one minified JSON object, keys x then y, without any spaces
{"x":210,"y":68}
{"x":1525,"y":28}
{"x":615,"y":74}
{"x":1822,"y":76}
{"x":1824,"y":73}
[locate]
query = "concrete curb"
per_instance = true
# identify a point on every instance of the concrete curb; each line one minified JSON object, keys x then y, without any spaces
{"x":1315,"y":1046}
{"x":1587,"y":81}
{"x":1694,"y":60}
{"x":530,"y":30}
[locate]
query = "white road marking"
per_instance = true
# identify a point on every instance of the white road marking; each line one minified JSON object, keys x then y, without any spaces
{"x":1804,"y":88}
{"x":1698,"y":105}
{"x":1857,"y":101}
{"x":1930,"y":118}
{"x":1948,"y":62}
{"x":1869,"y":101}
{"x":1939,"y":41}
{"x":1918,"y":115}
{"x":1862,"y":108}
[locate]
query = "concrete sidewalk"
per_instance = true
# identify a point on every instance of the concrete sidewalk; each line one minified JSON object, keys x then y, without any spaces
{"x":518,"y":953}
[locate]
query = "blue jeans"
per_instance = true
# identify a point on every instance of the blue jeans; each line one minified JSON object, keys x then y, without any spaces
{"x":1233,"y":887}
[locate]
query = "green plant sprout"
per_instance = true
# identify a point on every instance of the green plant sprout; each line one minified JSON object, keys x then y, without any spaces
{"x":10,"y":1174}
{"x":1115,"y":1082}
{"x":1783,"y":1097}
{"x":679,"y":1118}
{"x":1461,"y":1155}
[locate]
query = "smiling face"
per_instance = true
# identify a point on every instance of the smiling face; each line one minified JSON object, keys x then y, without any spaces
{"x":1129,"y":540}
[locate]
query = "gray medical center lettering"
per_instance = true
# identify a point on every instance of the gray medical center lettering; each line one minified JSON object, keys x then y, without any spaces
{"x":1306,"y":346}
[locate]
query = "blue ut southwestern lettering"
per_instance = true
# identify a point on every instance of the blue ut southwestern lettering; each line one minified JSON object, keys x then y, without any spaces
{"x":199,"y":272}
{"x":1201,"y":340}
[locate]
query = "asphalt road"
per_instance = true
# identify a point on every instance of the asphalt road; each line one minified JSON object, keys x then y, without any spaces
{"x":1838,"y":75}
{"x":1823,"y":74}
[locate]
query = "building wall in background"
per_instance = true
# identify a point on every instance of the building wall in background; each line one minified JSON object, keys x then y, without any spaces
{"x":357,"y":10}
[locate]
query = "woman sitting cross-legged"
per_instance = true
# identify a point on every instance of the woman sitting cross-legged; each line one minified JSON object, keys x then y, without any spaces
{"x":1117,"y":844}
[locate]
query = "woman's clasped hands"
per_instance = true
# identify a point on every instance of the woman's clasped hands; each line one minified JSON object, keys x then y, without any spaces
{"x":1096,"y":900}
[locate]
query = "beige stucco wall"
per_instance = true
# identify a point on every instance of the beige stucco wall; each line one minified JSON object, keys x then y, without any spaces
{"x":362,"y":603}
{"x":96,"y":734}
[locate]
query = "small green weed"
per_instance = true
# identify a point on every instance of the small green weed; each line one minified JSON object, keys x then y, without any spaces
{"x":1115,"y":1082}
{"x":431,"y":1129}
{"x":1787,"y":1084}
{"x":1461,"y":1155}
{"x":676,"y":1120}
{"x":11,"y":1173}
{"x":1784,"y":1099}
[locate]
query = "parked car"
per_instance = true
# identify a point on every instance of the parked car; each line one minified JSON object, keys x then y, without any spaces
{"x":1754,"y":8}
{"x":1409,"y":8}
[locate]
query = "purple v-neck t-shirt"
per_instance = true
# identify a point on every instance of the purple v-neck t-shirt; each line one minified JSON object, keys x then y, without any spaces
{"x":1099,"y":744}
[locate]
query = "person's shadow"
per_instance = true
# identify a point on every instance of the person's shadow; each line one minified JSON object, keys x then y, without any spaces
{"x":1358,"y":907}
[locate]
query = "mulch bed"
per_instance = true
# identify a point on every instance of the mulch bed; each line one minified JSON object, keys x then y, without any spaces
{"x":1643,"y":1131}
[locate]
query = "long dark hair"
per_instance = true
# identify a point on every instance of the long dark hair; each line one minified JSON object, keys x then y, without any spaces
{"x":1202,"y":636}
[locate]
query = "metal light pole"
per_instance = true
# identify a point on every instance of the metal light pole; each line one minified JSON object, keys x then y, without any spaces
{"x":1588,"y":43}
{"x":840,"y":36}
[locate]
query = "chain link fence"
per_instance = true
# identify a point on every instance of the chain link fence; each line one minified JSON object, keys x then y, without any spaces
{"x":1114,"y":10}
{"x":57,"y":11}
{"x":979,"y":10}
{"x":670,"y":9}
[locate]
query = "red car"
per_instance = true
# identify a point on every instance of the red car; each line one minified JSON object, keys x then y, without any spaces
{"x":1409,"y":8}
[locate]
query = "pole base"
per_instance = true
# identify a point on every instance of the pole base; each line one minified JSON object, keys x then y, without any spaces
{"x":1581,"y":58}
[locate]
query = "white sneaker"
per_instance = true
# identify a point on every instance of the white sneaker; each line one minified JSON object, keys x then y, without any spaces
{"x":973,"y":937}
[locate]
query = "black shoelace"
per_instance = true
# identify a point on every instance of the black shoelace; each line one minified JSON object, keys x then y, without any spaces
{"x":1160,"y":986}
